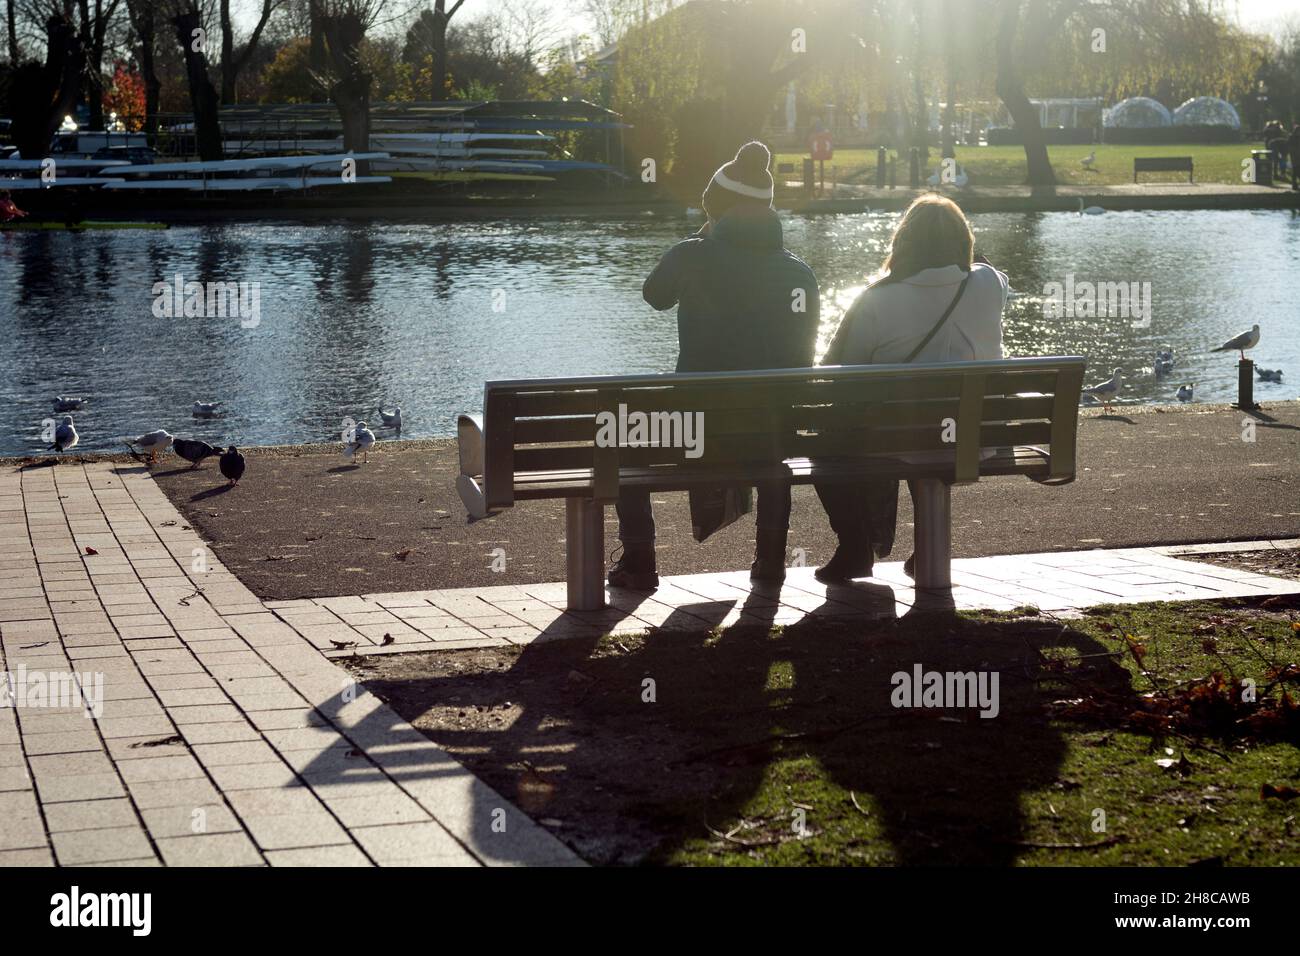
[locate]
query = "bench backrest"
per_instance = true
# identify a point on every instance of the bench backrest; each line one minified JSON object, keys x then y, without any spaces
{"x":1161,"y":163}
{"x":835,"y":412}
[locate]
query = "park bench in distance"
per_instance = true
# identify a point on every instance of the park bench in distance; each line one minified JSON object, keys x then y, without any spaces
{"x":1161,"y":164}
{"x":537,"y":439}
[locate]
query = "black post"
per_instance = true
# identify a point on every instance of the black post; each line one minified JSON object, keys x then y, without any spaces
{"x":893,"y":171}
{"x":1246,"y":386}
{"x":808,"y":177}
{"x":914,"y":168}
{"x":880,"y":167}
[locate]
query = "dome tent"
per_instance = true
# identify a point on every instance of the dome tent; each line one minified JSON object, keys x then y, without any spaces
{"x":1207,"y":111}
{"x":1137,"y":112}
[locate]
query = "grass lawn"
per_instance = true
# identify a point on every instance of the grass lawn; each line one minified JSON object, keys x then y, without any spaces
{"x":1005,"y":165}
{"x":781,"y":745}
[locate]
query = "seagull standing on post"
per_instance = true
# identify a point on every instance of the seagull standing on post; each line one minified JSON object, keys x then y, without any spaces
{"x":1246,"y":340}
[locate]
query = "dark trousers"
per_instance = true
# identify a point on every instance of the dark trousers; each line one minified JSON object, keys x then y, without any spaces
{"x":863,"y":516}
{"x":636,"y":520}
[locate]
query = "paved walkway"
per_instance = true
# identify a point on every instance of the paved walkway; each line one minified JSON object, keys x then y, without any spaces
{"x":222,"y":733}
{"x":224,"y":738}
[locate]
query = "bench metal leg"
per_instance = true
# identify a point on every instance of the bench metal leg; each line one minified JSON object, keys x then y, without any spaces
{"x":584,"y":557}
{"x":933,"y":501}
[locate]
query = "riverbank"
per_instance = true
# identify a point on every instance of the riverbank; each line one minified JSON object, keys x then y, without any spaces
{"x":849,"y":199}
{"x":305,"y":523}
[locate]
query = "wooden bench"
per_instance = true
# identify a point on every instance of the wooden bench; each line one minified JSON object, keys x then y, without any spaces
{"x":1160,"y":164}
{"x":942,"y":424}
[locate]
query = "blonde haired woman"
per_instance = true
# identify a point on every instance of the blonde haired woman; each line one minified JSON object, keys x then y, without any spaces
{"x":937,"y":302}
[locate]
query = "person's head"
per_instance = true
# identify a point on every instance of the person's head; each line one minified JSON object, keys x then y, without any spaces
{"x":933,"y":233}
{"x":745,"y":181}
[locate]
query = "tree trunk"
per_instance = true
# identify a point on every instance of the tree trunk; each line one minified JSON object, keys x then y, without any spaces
{"x":144,"y":23}
{"x":11,"y":19}
{"x":343,"y":34}
{"x":203,"y":95}
{"x":51,"y":90}
{"x":227,"y":55}
{"x":438,"y":73}
{"x":1011,"y":90}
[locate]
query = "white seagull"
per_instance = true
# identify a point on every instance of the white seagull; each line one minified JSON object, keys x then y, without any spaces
{"x":153,"y":442}
{"x":205,"y":409}
{"x":1185,"y":392}
{"x":1269,"y":374}
{"x":1106,"y":391}
{"x":391,"y":419}
{"x":65,"y":435}
{"x":65,"y":404}
{"x":1246,"y":340}
{"x":1089,"y":210}
{"x":1088,"y":160}
{"x":363,"y":440}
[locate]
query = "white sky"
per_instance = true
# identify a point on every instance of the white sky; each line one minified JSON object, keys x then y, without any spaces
{"x":1258,"y":15}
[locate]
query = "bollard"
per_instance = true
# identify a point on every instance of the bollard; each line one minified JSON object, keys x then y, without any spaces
{"x":914,"y":168}
{"x":808,"y":177}
{"x":881,"y":159}
{"x":893,"y":171}
{"x":1246,"y":386}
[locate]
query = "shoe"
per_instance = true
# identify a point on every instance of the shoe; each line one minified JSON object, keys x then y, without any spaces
{"x":769,"y":557}
{"x":909,"y":567}
{"x":847,"y":563}
{"x":635,"y":570}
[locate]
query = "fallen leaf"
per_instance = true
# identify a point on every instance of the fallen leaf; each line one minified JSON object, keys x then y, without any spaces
{"x":388,"y":639}
{"x":403,"y":555}
{"x":90,"y":550}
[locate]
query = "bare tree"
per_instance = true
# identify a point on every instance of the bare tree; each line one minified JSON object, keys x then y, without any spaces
{"x":95,"y":20}
{"x":230,"y":63}
{"x":50,"y":89}
{"x":441,"y":17}
{"x":341,"y":26}
{"x":11,"y":20}
{"x":1011,"y":84}
{"x":144,"y":16}
{"x":188,"y":23}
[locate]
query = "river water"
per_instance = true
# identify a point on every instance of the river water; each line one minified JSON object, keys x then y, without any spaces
{"x":351,"y":315}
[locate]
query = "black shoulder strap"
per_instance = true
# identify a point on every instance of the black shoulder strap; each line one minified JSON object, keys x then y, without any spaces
{"x":942,"y":319}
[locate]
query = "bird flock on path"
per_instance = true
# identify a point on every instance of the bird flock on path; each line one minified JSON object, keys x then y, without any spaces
{"x":357,"y":441}
{"x":1163,"y":364}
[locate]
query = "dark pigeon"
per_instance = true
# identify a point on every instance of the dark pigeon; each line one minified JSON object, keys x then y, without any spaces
{"x":194,"y":451}
{"x":232,"y":465}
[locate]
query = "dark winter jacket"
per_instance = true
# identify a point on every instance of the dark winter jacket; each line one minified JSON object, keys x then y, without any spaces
{"x":743,"y":301}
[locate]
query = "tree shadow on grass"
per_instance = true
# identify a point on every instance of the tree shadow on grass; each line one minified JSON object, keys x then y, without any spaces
{"x":651,"y":749}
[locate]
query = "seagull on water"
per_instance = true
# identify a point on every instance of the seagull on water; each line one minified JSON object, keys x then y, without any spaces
{"x":1164,"y":361}
{"x":1269,"y":374}
{"x":391,"y":419}
{"x":205,"y":409}
{"x":1106,"y":391}
{"x":65,"y":435}
{"x":63,"y":403}
{"x":231,"y":464}
{"x":1246,"y":340}
{"x":1185,"y":392}
{"x":194,"y":451}
{"x":362,"y":441}
{"x":153,"y":442}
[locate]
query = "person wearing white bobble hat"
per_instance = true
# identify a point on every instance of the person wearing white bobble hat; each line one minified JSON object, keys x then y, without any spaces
{"x":743,"y":302}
